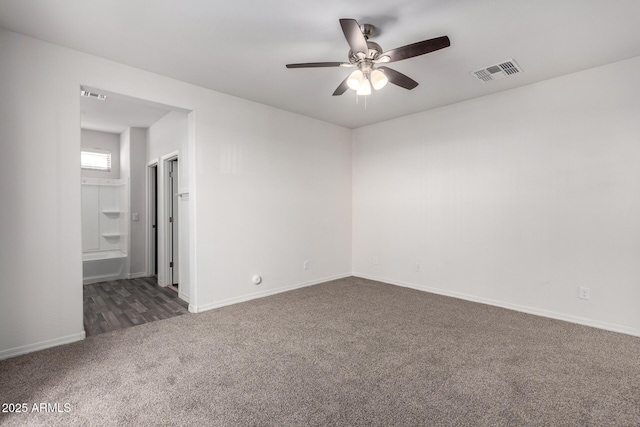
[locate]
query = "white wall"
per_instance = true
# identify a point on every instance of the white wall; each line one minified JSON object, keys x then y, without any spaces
{"x":125,"y":174}
{"x":40,"y":306}
{"x":103,"y":141}
{"x":268,"y":190}
{"x":515,"y":199}
{"x":137,"y":204}
{"x":273,"y":190}
{"x":166,"y":137}
{"x":133,"y":153}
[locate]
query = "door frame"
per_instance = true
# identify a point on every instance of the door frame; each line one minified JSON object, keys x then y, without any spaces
{"x":164,"y":211}
{"x":152,"y":202}
{"x":164,"y":271}
{"x":172,"y":244}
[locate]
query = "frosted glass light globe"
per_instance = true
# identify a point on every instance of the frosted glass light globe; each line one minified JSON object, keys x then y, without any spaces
{"x":355,"y":80}
{"x":365,"y":88}
{"x":378,"y":79}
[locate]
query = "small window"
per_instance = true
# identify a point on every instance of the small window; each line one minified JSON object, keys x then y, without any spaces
{"x":96,"y":160}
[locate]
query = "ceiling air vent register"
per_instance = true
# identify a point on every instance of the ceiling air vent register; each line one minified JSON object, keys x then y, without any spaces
{"x":498,"y":71}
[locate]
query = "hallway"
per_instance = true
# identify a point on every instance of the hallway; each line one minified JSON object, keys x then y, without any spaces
{"x":119,"y":304}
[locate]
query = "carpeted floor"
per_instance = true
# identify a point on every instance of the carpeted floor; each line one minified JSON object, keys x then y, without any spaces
{"x":347,"y":352}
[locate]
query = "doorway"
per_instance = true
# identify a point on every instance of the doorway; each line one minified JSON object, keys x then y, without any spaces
{"x":153,"y":219}
{"x":143,"y":138}
{"x":173,"y":227}
{"x":166,"y":209}
{"x":163,"y":238}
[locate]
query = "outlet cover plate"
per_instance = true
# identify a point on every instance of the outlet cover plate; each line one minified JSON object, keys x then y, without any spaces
{"x":584,"y":292}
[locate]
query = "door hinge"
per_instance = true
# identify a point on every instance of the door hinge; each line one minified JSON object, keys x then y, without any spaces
{"x":170,"y":219}
{"x":170,"y":174}
{"x":171,"y":264}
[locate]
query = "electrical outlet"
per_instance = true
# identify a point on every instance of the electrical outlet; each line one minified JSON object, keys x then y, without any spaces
{"x":375,"y":260}
{"x":305,"y":265}
{"x":584,"y":293}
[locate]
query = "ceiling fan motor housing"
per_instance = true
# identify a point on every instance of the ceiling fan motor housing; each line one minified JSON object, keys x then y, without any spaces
{"x":375,"y":50}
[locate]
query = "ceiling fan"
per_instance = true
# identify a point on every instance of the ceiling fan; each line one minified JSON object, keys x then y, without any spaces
{"x":367,"y":57}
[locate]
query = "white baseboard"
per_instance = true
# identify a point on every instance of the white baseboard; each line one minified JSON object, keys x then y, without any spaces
{"x":183,"y":296}
{"x":137,"y":275}
{"x":262,"y":294}
{"x":98,"y":279}
{"x":13,"y":352}
{"x":516,"y":307}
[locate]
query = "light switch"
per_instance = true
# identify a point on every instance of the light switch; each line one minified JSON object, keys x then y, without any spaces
{"x":135,"y":216}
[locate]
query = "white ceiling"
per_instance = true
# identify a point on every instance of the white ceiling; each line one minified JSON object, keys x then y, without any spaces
{"x":241,"y":47}
{"x":117,"y":112}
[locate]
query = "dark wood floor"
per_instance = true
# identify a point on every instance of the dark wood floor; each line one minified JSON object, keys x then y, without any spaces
{"x":119,"y":304}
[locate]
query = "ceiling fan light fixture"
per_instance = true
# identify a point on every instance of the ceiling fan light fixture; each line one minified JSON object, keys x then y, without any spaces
{"x":365,"y":88}
{"x":366,"y":55}
{"x":378,"y":79}
{"x":355,"y":80}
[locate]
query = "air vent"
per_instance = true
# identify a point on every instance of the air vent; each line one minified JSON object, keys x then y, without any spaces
{"x":88,"y":94}
{"x":498,"y":71}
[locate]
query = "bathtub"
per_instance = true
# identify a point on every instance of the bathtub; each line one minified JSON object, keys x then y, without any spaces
{"x":101,"y":266}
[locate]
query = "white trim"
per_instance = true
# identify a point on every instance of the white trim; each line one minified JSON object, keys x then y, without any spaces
{"x":191,"y":169}
{"x":515,"y":307}
{"x":137,"y":275}
{"x":184,"y":297}
{"x":164,"y":271}
{"x":97,"y":279}
{"x":262,"y":294}
{"x":30,"y":348}
{"x":149,"y":255}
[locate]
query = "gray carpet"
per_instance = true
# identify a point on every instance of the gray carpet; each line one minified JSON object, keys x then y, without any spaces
{"x":347,"y":352}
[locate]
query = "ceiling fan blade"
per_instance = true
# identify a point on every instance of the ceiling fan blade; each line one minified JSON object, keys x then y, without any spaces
{"x":342,"y":88}
{"x":318,"y":64}
{"x":398,"y":78}
{"x":417,"y":49}
{"x":354,"y":36}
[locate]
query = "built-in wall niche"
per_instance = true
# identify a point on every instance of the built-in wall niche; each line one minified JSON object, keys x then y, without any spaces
{"x":104,"y":218}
